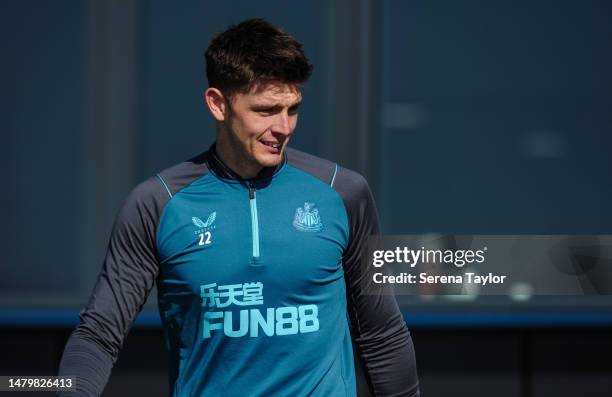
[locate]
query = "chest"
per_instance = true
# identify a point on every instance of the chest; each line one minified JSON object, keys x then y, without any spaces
{"x":289,"y":239}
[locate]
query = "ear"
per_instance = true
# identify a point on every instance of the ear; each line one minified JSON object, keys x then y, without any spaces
{"x":215,"y":100}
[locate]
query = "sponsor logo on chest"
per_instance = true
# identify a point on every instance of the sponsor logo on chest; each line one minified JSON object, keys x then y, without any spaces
{"x":286,"y":320}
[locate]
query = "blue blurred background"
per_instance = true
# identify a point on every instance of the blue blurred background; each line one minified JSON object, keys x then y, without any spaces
{"x":473,"y":117}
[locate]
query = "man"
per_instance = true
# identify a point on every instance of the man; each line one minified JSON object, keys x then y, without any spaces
{"x":255,"y":248}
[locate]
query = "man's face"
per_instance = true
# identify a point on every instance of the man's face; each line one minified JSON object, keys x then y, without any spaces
{"x":261,"y":122}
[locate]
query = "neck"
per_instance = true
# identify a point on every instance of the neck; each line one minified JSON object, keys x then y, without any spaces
{"x":232,"y":157}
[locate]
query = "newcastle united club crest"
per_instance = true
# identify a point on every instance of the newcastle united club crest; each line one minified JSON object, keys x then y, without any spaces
{"x":307,"y":219}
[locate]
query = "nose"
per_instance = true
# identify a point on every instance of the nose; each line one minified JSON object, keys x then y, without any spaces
{"x":282,"y":124}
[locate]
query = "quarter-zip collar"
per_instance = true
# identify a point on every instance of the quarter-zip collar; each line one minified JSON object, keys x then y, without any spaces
{"x":223,"y":171}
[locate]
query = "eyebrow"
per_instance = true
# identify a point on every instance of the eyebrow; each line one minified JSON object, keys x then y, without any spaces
{"x":260,"y":106}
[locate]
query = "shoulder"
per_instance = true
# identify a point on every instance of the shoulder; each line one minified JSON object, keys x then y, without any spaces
{"x":351,"y":184}
{"x":178,"y":176}
{"x":149,"y":197}
{"x":348,"y":183}
{"x":316,"y":166}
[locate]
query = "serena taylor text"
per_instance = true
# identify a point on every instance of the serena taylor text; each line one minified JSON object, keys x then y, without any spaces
{"x":424,"y":278}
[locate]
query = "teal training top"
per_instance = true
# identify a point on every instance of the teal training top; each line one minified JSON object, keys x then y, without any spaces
{"x":260,"y":284}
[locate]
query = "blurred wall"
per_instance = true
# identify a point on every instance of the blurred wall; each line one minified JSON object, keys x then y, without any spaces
{"x":496,"y":117}
{"x":466,"y":118}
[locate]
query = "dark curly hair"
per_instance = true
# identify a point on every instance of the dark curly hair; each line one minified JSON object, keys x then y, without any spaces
{"x":253,"y":53}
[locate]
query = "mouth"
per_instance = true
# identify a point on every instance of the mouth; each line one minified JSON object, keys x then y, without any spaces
{"x":275,"y":145}
{"x":272,"y":147}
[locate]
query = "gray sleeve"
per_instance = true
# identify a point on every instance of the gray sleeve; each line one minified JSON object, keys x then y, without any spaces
{"x":378,"y":329}
{"x":127,"y":276}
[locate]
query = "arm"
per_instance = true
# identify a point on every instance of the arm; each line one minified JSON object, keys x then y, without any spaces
{"x":378,"y":328}
{"x":127,"y":276}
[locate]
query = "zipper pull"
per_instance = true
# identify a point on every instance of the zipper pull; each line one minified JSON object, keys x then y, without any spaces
{"x":251,"y":191}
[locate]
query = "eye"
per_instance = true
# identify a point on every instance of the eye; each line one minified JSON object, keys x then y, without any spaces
{"x":294,"y":109}
{"x":266,"y":111}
